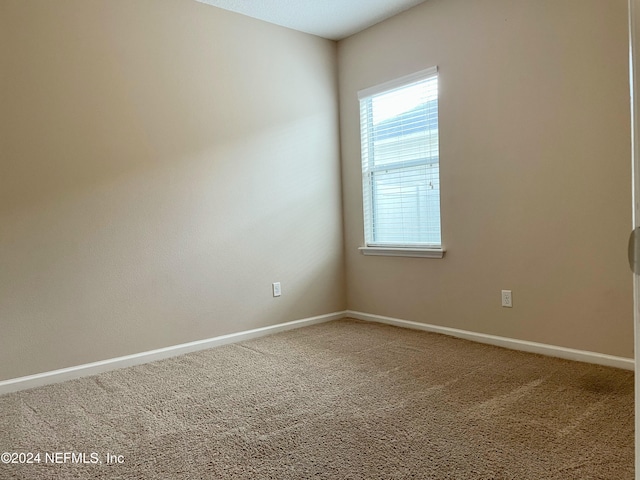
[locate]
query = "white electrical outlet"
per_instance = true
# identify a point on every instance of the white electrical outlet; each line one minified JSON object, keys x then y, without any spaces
{"x":276,"y":289}
{"x":507,"y":299}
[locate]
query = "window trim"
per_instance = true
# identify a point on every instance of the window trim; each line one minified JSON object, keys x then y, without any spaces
{"x":398,"y":250}
{"x":397,"y":82}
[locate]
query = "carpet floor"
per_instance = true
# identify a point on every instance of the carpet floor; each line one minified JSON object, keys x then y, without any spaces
{"x":340,"y":400}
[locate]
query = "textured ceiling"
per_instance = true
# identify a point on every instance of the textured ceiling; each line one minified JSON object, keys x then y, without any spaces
{"x":333,"y":19}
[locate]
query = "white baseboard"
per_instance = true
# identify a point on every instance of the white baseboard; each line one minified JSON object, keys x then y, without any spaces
{"x":513,"y":344}
{"x":56,"y":376}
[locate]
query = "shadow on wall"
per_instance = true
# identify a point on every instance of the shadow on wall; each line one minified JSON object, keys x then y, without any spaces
{"x":152,"y":188}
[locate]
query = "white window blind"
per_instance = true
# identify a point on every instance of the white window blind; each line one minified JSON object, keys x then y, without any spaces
{"x":400,"y":162}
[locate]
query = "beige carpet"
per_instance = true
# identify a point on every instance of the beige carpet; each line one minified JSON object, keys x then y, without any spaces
{"x":342,"y":400}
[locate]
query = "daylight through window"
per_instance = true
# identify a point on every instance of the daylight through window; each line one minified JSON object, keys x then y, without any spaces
{"x":400,"y":162}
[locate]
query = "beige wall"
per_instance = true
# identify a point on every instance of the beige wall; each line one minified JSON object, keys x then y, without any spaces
{"x":535,"y":169}
{"x":162,"y":162}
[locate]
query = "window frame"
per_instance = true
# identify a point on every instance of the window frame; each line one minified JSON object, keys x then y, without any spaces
{"x":427,"y":250}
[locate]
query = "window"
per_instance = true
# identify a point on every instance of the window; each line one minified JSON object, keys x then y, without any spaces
{"x":400,"y":166}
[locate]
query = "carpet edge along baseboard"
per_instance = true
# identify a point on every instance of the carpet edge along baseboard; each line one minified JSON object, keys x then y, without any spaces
{"x":94,"y":368}
{"x":70,"y":373}
{"x":505,"y":342}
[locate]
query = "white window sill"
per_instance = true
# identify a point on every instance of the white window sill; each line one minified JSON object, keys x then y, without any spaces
{"x":432,"y":252}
